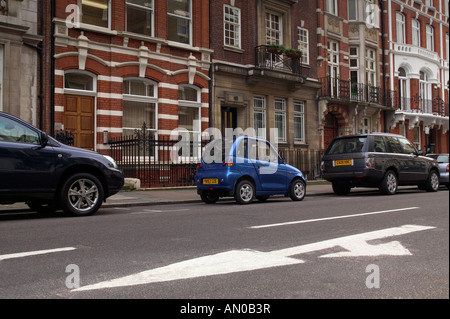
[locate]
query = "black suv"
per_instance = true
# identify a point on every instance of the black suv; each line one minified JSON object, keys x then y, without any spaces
{"x":48,"y":175}
{"x":377,"y":160}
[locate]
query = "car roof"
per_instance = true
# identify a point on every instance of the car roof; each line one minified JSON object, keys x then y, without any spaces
{"x":370,"y":134}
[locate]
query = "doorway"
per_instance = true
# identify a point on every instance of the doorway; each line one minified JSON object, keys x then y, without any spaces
{"x":79,"y":119}
{"x":229,"y":119}
{"x":330,"y":129}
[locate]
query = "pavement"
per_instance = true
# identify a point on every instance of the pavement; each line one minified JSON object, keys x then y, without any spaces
{"x":173,"y":195}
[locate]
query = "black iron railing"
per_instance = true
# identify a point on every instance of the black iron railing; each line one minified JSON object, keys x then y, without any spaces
{"x":356,"y":92}
{"x":268,"y":58}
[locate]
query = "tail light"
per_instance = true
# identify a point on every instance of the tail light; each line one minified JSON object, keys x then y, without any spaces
{"x":322,"y":166}
{"x":228,"y":162}
{"x":199,"y":165}
{"x":370,"y":162}
{"x":447,"y":169}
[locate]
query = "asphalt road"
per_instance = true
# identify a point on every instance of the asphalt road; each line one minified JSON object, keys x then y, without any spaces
{"x":362,"y":246}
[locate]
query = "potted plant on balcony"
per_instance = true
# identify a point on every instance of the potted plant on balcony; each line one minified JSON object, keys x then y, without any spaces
{"x":275,"y":48}
{"x":293,"y":53}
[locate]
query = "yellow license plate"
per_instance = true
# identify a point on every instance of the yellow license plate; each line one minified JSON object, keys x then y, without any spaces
{"x":210,"y":181}
{"x":343,"y":162}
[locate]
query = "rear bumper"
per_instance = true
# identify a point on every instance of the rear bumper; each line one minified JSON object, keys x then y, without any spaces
{"x":225,"y":186}
{"x":365,"y":177}
{"x":443,"y":179}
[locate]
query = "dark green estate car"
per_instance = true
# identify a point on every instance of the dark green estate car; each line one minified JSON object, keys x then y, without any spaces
{"x":377,"y":160}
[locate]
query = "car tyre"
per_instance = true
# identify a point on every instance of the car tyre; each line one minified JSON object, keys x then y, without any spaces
{"x":297,"y":190}
{"x":209,"y":197}
{"x":81,"y":195}
{"x":244,"y":192}
{"x":432,"y":183}
{"x":340,"y":188}
{"x":389,"y":184}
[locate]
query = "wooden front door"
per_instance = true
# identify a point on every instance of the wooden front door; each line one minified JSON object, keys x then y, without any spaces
{"x":79,"y":119}
{"x":330,"y":129}
{"x":229,"y":119}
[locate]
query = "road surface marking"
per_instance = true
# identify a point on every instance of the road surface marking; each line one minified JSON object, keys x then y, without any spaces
{"x":36,"y":252}
{"x":334,"y":217}
{"x":247,"y":260}
{"x":148,"y":211}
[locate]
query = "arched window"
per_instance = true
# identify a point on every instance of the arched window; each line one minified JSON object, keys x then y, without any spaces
{"x":425,"y":92}
{"x":189,"y":116}
{"x":430,"y":37}
{"x":403,"y":90}
{"x":75,"y":80}
{"x":415,"y":24}
{"x":140,"y":105}
{"x":400,"y":25}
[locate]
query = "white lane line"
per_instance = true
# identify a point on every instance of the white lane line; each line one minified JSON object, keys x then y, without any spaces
{"x":335,"y":217}
{"x":36,"y":252}
{"x":149,"y":211}
{"x":248,"y":260}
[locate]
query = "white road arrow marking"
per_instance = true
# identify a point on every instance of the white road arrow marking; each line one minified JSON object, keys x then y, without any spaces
{"x":247,"y":260}
{"x":36,"y":252}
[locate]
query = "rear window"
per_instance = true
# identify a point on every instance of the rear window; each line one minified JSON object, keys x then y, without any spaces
{"x":347,"y":145}
{"x":215,"y":151}
{"x":440,"y":158}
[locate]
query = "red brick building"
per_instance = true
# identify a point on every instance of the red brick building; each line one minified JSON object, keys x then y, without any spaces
{"x":264,"y":92}
{"x":120,"y":63}
{"x":417,"y":55}
{"x":352,"y":99}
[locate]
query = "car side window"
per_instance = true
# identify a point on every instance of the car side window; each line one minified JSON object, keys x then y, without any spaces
{"x":379,"y":145}
{"x":12,"y":131}
{"x":408,"y":148}
{"x":394,"y":145}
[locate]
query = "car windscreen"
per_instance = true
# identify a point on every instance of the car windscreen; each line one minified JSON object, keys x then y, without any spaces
{"x":352,"y":144}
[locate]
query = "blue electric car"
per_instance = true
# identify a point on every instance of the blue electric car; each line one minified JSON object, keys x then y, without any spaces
{"x":246,"y":168}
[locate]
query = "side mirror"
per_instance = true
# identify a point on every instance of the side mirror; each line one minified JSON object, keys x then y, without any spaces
{"x":282,"y":160}
{"x":44,"y":139}
{"x":419,"y":152}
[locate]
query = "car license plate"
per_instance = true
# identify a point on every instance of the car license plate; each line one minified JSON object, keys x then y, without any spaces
{"x":343,"y":162}
{"x":210,"y":181}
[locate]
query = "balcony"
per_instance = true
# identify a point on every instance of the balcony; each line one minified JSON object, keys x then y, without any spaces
{"x":418,"y":105}
{"x":348,"y":91}
{"x":408,"y":49}
{"x":267,"y":58}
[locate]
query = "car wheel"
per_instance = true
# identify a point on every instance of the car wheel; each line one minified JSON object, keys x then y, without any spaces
{"x":81,"y":195}
{"x":340,"y":188}
{"x":209,"y":197}
{"x":432,"y":183}
{"x":389,"y":184}
{"x":297,"y":190}
{"x":245,"y":192}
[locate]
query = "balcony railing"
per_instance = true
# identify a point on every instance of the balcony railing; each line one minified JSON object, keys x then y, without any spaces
{"x":417,"y":104}
{"x":355,"y":92}
{"x":277,"y":61}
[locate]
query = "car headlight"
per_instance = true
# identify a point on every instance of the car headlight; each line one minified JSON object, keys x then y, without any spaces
{"x":112,"y":163}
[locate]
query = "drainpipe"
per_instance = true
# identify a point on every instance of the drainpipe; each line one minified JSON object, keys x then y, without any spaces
{"x":52,"y":69}
{"x":383,"y":57}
